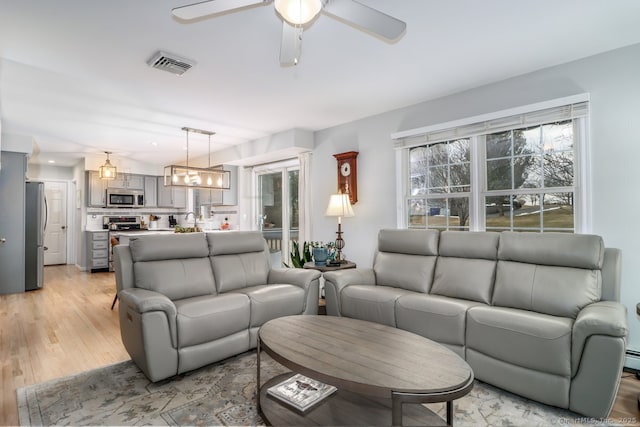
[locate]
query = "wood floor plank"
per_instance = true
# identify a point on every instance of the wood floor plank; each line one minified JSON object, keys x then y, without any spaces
{"x":68,"y":327}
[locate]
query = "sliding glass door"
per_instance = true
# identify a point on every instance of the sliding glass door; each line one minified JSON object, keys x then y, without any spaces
{"x":278,"y":208}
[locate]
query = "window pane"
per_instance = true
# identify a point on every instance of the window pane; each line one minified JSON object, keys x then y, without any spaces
{"x":438,"y":154}
{"x":499,"y":174}
{"x":558,"y":169}
{"x":460,"y":177}
{"x":417,"y":217}
{"x":459,"y":212}
{"x":438,"y":177}
{"x":460,"y":151}
{"x":526,"y":212}
{"x":558,"y":210}
{"x":498,"y":145}
{"x":527,"y":172}
{"x":437,"y":213}
{"x":532,"y":140}
{"x":418,"y":170}
{"x":498,"y":212}
{"x":558,"y":136}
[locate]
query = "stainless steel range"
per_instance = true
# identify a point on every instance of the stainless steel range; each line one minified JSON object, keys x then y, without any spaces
{"x":119,"y":223}
{"x":116,"y":225}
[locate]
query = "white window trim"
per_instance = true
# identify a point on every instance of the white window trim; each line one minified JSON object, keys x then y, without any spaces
{"x":405,"y":140}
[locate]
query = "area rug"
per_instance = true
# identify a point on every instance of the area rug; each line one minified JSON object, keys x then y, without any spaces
{"x":223,"y":394}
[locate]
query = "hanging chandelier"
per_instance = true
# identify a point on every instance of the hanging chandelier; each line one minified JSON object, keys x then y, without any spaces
{"x":107,"y":171}
{"x":213,"y":178}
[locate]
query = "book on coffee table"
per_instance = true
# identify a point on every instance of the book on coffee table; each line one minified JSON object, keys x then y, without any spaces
{"x":300,"y":392}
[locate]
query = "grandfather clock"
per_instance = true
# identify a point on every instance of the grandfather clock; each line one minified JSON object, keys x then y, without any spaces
{"x":348,"y":174}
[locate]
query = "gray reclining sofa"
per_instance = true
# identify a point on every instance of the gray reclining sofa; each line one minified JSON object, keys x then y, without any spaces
{"x":532,"y":313}
{"x":187,"y":300}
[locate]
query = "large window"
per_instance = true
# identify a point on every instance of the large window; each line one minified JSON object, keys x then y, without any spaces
{"x":508,"y":174}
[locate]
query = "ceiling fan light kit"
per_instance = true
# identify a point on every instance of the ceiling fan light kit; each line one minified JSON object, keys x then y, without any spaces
{"x":297,"y":13}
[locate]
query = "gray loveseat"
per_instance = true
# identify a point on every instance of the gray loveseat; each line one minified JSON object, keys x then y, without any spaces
{"x":187,"y":300}
{"x":535,"y":314}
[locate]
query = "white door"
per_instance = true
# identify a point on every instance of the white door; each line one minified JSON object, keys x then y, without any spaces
{"x":55,"y":234}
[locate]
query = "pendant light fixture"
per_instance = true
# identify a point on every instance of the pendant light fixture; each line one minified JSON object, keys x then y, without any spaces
{"x":107,"y":171}
{"x":213,"y":178}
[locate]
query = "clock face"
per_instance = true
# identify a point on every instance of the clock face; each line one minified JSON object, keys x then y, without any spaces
{"x":345,"y":169}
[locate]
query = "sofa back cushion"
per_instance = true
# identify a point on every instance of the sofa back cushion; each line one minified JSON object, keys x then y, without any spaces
{"x":238,"y":259}
{"x":466,"y":265}
{"x":406,"y":259}
{"x":552,"y":273}
{"x":175,"y":265}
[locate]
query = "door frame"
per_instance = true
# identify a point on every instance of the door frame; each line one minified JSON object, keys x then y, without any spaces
{"x":282,"y":167}
{"x":71,"y":216}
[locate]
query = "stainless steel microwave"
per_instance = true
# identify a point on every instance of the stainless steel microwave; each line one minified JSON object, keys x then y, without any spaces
{"x":123,"y":198}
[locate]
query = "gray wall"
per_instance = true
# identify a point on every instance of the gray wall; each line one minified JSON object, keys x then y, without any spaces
{"x":611,"y":79}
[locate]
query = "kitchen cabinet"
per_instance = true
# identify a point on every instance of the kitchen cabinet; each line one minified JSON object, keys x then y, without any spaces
{"x":171,"y":197}
{"x":98,"y":250}
{"x":221,"y":197}
{"x":95,"y":190}
{"x":151,"y":191}
{"x":127,"y":180}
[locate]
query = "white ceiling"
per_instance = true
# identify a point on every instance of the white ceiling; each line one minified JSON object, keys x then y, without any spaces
{"x":73,"y":73}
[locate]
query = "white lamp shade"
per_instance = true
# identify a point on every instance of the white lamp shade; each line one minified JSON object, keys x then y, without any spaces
{"x":339,"y":205}
{"x":298,"y":12}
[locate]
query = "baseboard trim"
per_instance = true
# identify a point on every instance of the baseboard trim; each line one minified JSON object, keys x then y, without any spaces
{"x":632,"y":360}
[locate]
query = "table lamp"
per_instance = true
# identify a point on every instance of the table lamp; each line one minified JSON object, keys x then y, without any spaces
{"x":340,"y":206}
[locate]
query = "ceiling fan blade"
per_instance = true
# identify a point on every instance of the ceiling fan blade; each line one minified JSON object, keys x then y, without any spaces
{"x":212,"y":7}
{"x":364,"y":17}
{"x":290,"y":45}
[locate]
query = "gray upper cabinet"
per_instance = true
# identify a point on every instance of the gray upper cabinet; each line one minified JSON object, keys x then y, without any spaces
{"x":171,"y":197}
{"x":150,"y":191}
{"x":96,"y":190}
{"x":128,"y":180}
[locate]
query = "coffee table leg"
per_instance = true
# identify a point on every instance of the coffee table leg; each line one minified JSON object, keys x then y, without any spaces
{"x":396,"y":410}
{"x":450,"y":413}
{"x":258,"y":376}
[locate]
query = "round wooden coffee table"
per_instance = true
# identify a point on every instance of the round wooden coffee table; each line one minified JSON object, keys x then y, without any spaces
{"x":376,"y":369}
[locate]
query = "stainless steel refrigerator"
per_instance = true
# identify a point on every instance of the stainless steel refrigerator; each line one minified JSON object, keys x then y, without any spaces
{"x":35,"y":226}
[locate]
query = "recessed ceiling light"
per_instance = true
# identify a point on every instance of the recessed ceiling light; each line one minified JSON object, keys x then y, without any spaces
{"x":51,"y":161}
{"x":155,"y":144}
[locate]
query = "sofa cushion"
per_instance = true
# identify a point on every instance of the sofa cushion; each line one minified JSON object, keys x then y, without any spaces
{"x":208,"y":318}
{"x":523,"y":338}
{"x":176,"y":278}
{"x":466,"y":244}
{"x":559,"y":249}
{"x":469,"y":279}
{"x":413,"y":242}
{"x":236,"y":242}
{"x":157,"y":247}
{"x":410,"y":272}
{"x":236,"y":271}
{"x":272,"y":301}
{"x":372,"y":303}
{"x":439,"y":318}
{"x":558,"y":291}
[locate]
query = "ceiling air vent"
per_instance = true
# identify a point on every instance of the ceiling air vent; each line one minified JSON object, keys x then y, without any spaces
{"x":170,"y":62}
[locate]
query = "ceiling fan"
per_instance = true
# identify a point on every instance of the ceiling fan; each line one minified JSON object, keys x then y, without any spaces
{"x":296,"y":14}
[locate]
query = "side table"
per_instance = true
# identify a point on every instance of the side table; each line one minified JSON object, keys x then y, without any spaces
{"x":322,"y":309}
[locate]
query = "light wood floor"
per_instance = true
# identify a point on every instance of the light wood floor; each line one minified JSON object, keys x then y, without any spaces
{"x":68,"y":327}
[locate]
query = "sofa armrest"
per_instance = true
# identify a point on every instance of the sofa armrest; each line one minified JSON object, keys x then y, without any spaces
{"x":293,"y":276}
{"x":308,"y":280}
{"x":607,"y":318}
{"x":144,"y":301}
{"x":335,"y":282}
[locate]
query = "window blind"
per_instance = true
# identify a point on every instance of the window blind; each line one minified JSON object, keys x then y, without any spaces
{"x":469,"y":127}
